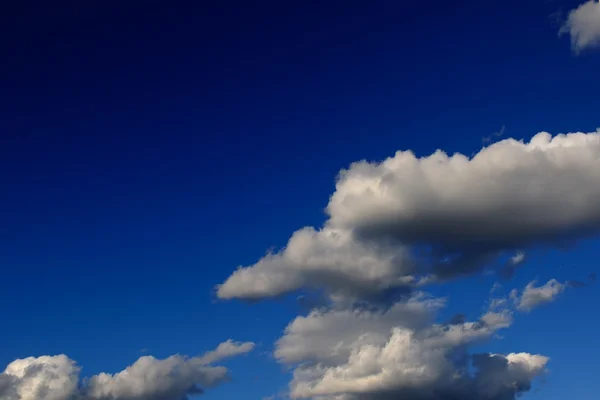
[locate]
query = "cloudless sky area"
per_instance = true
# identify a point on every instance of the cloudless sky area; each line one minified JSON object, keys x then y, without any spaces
{"x":148,"y":148}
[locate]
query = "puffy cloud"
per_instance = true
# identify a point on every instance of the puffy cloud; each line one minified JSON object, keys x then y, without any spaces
{"x":148,"y":378}
{"x":42,"y":378}
{"x":387,"y":355}
{"x":327,"y":336}
{"x":326,"y":258}
{"x":535,"y":296}
{"x":508,"y":194}
{"x":173,"y":378}
{"x":409,"y":221}
{"x":583,"y":25}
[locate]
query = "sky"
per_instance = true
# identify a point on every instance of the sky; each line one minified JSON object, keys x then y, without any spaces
{"x":311,"y":200}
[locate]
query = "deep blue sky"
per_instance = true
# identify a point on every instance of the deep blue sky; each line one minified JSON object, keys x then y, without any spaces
{"x":148,"y":149}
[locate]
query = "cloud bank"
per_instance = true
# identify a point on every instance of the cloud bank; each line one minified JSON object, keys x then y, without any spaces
{"x":407,"y":221}
{"x":173,"y":378}
{"x":583,"y":26}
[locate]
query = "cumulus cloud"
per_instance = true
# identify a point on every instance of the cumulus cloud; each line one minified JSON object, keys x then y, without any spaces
{"x":395,"y":227}
{"x":327,"y":336}
{"x":409,"y":221}
{"x":173,"y":378}
{"x":401,"y":353}
{"x":535,"y":296}
{"x":46,"y":377}
{"x":583,"y":26}
{"x":326,"y":258}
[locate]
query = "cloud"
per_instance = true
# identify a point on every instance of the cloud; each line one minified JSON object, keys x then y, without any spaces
{"x":490,"y":138}
{"x":226,"y":350}
{"x":583,"y":26}
{"x":512,"y":265}
{"x":326,"y":258}
{"x":533,"y":296}
{"x":172,"y":378}
{"x":390,"y":355}
{"x":517,"y":258}
{"x":407,"y":221}
{"x":42,"y":378}
{"x":327,"y":336}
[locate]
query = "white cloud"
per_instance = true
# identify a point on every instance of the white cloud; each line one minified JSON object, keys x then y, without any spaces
{"x":326,"y":258}
{"x":327,"y":336}
{"x":583,"y":26}
{"x":509,"y":193}
{"x":173,"y":378}
{"x":535,"y":296}
{"x":518,"y":258}
{"x":42,"y":378}
{"x":389,"y":355}
{"x":466,"y":211}
{"x":226,"y":349}
{"x":398,"y":225}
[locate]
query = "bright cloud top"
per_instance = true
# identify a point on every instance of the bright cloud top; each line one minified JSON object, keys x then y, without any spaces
{"x":583,"y":25}
{"x":407,"y":220}
{"x":173,"y":378}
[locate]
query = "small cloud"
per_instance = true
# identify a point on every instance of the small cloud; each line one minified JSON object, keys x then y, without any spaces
{"x":535,"y":296}
{"x":490,"y":138}
{"x":495,"y":288}
{"x":511,"y":266}
{"x":583,"y":26}
{"x":226,"y":350}
{"x":517,"y":258}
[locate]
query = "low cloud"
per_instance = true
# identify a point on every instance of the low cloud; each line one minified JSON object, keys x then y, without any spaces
{"x":172,"y":378}
{"x":407,"y":221}
{"x":583,"y":27}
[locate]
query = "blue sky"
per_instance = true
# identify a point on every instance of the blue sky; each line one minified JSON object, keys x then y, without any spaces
{"x":147,"y":150}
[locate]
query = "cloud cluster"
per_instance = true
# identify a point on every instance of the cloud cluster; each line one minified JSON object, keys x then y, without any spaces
{"x":173,"y":378}
{"x":395,"y":227}
{"x":400,"y":353}
{"x":407,"y":221}
{"x":583,"y":26}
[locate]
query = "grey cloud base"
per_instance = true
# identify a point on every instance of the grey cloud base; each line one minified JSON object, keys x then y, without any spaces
{"x":173,"y":378}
